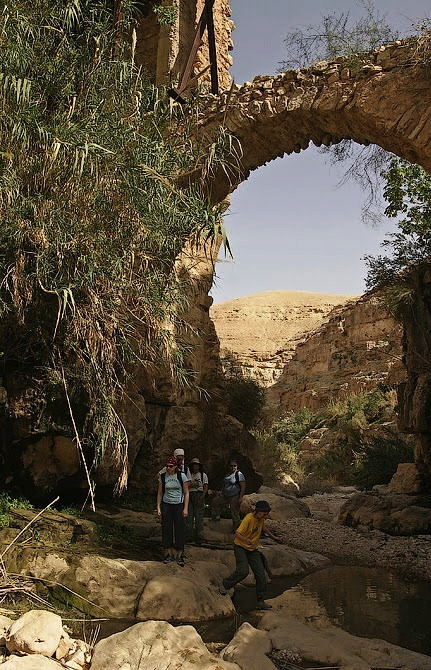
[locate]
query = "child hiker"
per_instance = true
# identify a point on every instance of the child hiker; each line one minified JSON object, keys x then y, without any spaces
{"x":247,"y":554}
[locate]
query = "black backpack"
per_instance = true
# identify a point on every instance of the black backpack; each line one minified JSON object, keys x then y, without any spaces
{"x":179,"y":477}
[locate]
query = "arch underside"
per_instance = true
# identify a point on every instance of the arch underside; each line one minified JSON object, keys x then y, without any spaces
{"x":386,"y":101}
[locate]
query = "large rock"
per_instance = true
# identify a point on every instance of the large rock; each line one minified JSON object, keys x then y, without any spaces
{"x":283,"y":561}
{"x":301,"y":625}
{"x":248,"y":649}
{"x":33,"y":662}
{"x":156,"y":644}
{"x":407,"y":479}
{"x":122,"y":588}
{"x":391,"y":513}
{"x":282,"y":506}
{"x":35,"y":632}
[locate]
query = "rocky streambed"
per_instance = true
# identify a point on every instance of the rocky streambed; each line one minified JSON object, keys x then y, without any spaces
{"x":152,"y":601}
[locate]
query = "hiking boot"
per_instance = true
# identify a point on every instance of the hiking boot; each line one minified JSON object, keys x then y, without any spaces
{"x":262,"y":605}
{"x":180,"y":561}
{"x":222,"y":589}
{"x":168,"y":559}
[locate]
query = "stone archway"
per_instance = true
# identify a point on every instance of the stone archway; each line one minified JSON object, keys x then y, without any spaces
{"x":384,"y":99}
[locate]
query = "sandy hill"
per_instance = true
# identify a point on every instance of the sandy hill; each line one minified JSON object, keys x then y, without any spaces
{"x":264,"y":329}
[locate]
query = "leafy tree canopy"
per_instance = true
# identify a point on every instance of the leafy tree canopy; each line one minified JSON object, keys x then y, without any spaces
{"x":407,"y":192}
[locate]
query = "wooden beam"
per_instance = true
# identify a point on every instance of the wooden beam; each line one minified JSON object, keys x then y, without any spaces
{"x":212,"y":46}
{"x":176,"y":94}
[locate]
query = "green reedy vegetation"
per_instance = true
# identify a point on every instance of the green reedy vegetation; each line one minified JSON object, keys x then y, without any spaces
{"x":7,"y":503}
{"x":95,"y":213}
{"x":351,"y":453}
{"x":245,"y":395}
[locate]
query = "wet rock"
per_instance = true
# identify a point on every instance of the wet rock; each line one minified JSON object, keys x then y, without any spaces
{"x":321,"y":642}
{"x":249,"y":648}
{"x":282,"y":506}
{"x":156,"y":644}
{"x":35,"y":632}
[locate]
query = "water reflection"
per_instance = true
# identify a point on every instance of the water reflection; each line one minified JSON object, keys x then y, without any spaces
{"x":368,"y":602}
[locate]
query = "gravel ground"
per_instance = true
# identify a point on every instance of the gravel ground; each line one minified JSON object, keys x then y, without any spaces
{"x":409,"y":557}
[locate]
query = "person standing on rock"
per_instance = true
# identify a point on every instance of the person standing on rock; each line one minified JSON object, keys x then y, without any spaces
{"x":247,"y":554}
{"x":198,"y":488}
{"x":172,"y":506}
{"x":233,"y":489}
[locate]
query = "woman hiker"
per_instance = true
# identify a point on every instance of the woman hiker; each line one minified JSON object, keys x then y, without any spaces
{"x":247,"y":554}
{"x":198,"y":488}
{"x":172,"y":506}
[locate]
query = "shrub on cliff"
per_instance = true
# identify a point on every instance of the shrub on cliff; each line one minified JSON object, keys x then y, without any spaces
{"x":245,"y":396}
{"x":378,"y":462}
{"x":96,"y":205}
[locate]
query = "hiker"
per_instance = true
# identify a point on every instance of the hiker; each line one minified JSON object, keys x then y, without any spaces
{"x":247,"y":554}
{"x":198,"y":488}
{"x":179,"y":458}
{"x":233,"y":489}
{"x":172,"y":506}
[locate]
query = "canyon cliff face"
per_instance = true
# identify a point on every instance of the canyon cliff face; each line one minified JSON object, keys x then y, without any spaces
{"x":356,"y":350}
{"x":264,"y":330}
{"x":414,"y":394}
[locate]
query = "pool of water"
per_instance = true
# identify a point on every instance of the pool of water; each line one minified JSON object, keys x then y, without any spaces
{"x":367,"y":602}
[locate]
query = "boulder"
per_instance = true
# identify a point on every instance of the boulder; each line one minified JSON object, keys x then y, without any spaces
{"x":156,"y":644}
{"x":5,"y":624}
{"x":282,"y":506}
{"x":35,"y":632}
{"x":248,"y":649}
{"x":283,"y":561}
{"x":33,"y":662}
{"x":320,"y":642}
{"x":392,"y":513}
{"x":288,"y":485}
{"x":122,"y":588}
{"x":407,"y":479}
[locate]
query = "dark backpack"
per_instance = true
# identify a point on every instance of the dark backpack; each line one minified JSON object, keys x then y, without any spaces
{"x":179,"y":477}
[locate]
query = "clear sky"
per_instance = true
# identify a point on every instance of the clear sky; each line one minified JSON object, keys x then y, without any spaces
{"x":290,"y":226}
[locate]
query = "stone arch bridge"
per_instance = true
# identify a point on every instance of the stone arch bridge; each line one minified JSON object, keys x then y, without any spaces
{"x":381,"y":98}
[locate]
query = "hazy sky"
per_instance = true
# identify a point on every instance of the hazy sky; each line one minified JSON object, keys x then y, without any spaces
{"x":289,"y":225}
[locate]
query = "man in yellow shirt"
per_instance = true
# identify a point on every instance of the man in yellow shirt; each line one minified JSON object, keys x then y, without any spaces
{"x":247,"y":555}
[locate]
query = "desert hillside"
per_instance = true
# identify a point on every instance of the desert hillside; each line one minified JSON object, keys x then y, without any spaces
{"x":264,"y":329}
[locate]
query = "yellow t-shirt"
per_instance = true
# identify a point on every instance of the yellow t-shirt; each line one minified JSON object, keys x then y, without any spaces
{"x":251,"y":528}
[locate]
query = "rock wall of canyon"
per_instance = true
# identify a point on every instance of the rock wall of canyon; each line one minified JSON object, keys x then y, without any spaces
{"x":263,"y":330}
{"x":356,"y":350}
